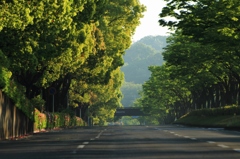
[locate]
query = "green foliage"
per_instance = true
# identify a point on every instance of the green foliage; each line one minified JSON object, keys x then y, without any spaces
{"x":225,"y":121}
{"x":130,"y":92}
{"x":38,"y":103}
{"x":16,"y":91}
{"x":149,"y":120}
{"x":4,"y":72}
{"x":107,"y":99}
{"x":234,"y":110}
{"x":140,"y":56}
{"x":162,"y":95}
{"x":56,"y":120}
{"x":227,"y":117}
{"x":3,"y":60}
{"x":103,"y":116}
{"x":201,"y":69}
{"x":74,"y":46}
{"x":4,"y":76}
{"x":127,"y":120}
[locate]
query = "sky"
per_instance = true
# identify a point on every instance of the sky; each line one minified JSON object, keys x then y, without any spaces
{"x":149,"y":23}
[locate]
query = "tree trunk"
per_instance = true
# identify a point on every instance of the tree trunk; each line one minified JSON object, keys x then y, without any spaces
{"x":217,"y":89}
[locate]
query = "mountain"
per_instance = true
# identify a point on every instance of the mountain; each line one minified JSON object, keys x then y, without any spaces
{"x":141,"y":55}
{"x":156,"y":42}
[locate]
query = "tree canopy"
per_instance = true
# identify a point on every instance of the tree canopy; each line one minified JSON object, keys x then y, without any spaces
{"x":201,"y":69}
{"x":75,"y":47}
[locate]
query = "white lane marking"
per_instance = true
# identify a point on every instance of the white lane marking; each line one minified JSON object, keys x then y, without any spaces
{"x":80,"y":146}
{"x":165,"y":130}
{"x":193,"y":138}
{"x":223,"y":146}
{"x":238,"y":150}
{"x":211,"y":142}
{"x":186,"y":137}
{"x":99,"y":134}
{"x":178,"y":135}
{"x":92,"y":139}
{"x":172,"y":132}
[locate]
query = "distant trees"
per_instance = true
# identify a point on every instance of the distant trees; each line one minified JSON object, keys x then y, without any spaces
{"x":130,"y":93}
{"x":74,"y":46}
{"x":202,"y":56}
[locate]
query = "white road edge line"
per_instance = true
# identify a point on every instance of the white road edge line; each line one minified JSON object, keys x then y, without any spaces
{"x":223,"y":146}
{"x":178,"y":135}
{"x":237,"y":150}
{"x":80,"y":146}
{"x":211,"y":142}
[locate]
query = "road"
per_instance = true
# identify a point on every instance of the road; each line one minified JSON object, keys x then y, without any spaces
{"x":126,"y":142}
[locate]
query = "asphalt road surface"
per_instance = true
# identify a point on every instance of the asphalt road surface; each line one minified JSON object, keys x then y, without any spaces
{"x":126,"y":142}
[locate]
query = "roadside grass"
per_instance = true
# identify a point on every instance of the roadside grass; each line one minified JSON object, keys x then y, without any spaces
{"x":225,"y":121}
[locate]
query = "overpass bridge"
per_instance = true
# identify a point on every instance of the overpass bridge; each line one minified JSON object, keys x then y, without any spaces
{"x":129,"y":111}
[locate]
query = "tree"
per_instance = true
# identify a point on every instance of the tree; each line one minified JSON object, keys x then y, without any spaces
{"x":72,"y":46}
{"x":213,"y":25}
{"x":162,"y":95}
{"x":32,"y":50}
{"x":130,"y":93}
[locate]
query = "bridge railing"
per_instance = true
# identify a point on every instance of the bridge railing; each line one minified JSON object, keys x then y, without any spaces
{"x":129,"y":112}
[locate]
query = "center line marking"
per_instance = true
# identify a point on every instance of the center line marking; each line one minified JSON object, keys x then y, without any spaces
{"x":99,"y":134}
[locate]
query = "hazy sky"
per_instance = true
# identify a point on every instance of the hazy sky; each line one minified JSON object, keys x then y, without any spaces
{"x":149,"y":23}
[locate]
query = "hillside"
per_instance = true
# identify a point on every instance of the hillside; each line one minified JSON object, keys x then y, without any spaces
{"x":141,"y":55}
